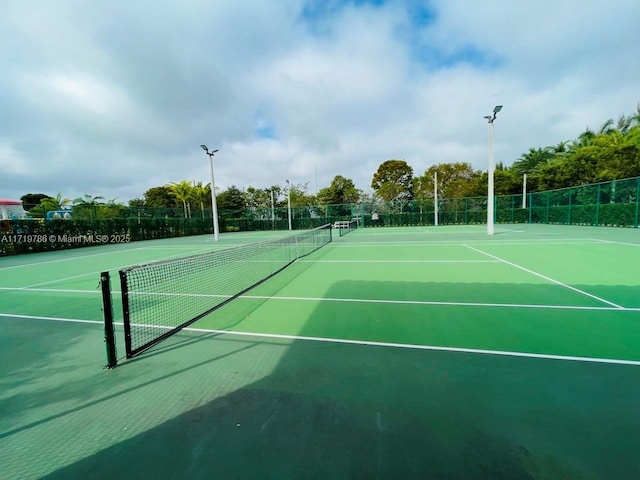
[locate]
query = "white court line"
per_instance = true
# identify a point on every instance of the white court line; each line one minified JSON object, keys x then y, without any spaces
{"x":49,"y":282}
{"x":399,"y":261}
{"x":50,"y":290}
{"x":343,"y":300}
{"x":446,"y":243}
{"x":366,"y":343}
{"x":444,"y":231}
{"x":616,"y":242}
{"x":557,"y":282}
{"x":447,"y":304}
{"x":421,"y":347}
{"x":55,"y":319}
{"x":80,"y":257}
{"x":183,"y":247}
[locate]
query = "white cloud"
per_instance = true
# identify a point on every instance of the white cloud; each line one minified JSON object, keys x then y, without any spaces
{"x":114,"y":98}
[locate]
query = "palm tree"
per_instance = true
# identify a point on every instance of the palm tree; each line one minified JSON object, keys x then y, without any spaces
{"x":635,"y":118}
{"x":200,"y":194}
{"x":532,"y":159}
{"x":87,"y":200}
{"x":607,"y":127}
{"x":611,"y":139}
{"x":89,"y":203}
{"x":183,"y":192}
{"x":624,"y":124}
{"x":560,"y":148}
{"x":584,"y":140}
{"x":54,"y":204}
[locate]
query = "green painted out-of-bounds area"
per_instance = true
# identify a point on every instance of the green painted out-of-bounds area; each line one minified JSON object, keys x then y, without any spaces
{"x":422,"y":352}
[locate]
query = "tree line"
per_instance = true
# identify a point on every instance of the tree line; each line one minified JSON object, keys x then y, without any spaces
{"x":608,"y":153}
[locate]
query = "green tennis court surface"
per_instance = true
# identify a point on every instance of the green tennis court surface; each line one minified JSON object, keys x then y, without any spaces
{"x":389,"y":353}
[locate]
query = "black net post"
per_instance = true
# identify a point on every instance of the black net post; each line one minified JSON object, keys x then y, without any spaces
{"x":126,"y":319}
{"x":107,"y":309}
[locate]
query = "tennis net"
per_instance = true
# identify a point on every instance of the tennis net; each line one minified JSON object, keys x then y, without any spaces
{"x":161,"y":298}
{"x":347,"y":226}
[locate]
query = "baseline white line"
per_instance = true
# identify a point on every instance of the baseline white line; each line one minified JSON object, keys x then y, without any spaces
{"x":552,"y":280}
{"x":421,"y":347}
{"x":364,"y":342}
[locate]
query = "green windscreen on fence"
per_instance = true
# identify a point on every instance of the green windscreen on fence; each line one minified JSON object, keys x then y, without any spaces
{"x":159,"y":299}
{"x":613,"y":203}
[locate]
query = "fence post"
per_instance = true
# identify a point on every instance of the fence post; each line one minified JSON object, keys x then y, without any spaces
{"x":466,"y":211}
{"x":635,"y":223}
{"x":570,"y":205}
{"x":548,"y":205}
{"x":598,"y":207}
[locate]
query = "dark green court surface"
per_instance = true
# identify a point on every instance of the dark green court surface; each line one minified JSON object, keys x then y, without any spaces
{"x":433,"y":352}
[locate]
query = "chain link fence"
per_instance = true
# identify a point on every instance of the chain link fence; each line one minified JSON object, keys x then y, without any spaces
{"x":615,"y":203}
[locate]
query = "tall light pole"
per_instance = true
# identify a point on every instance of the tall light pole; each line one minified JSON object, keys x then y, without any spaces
{"x":289,"y":202}
{"x":435,"y":198}
{"x":490,"y":189}
{"x":214,"y":206}
{"x":273,"y":212}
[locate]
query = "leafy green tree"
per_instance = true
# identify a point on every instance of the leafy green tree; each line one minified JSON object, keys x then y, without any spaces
{"x":393,"y":181}
{"x":112,"y":209}
{"x":31,"y":200}
{"x":258,"y":201}
{"x":299,"y":195}
{"x":232,"y":200}
{"x":159,"y":197}
{"x":302,"y":203}
{"x":338,"y":197}
{"x":259,"y":197}
{"x":455,"y":180}
{"x":341,"y":191}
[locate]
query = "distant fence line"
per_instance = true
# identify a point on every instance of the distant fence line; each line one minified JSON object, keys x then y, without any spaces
{"x":615,"y":203}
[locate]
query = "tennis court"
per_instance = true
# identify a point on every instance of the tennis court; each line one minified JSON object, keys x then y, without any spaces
{"x":421,"y":352}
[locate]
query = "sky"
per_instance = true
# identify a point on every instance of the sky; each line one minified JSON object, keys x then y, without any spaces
{"x":111,"y":98}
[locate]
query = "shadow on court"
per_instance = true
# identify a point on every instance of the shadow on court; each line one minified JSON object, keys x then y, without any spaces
{"x":249,"y":408}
